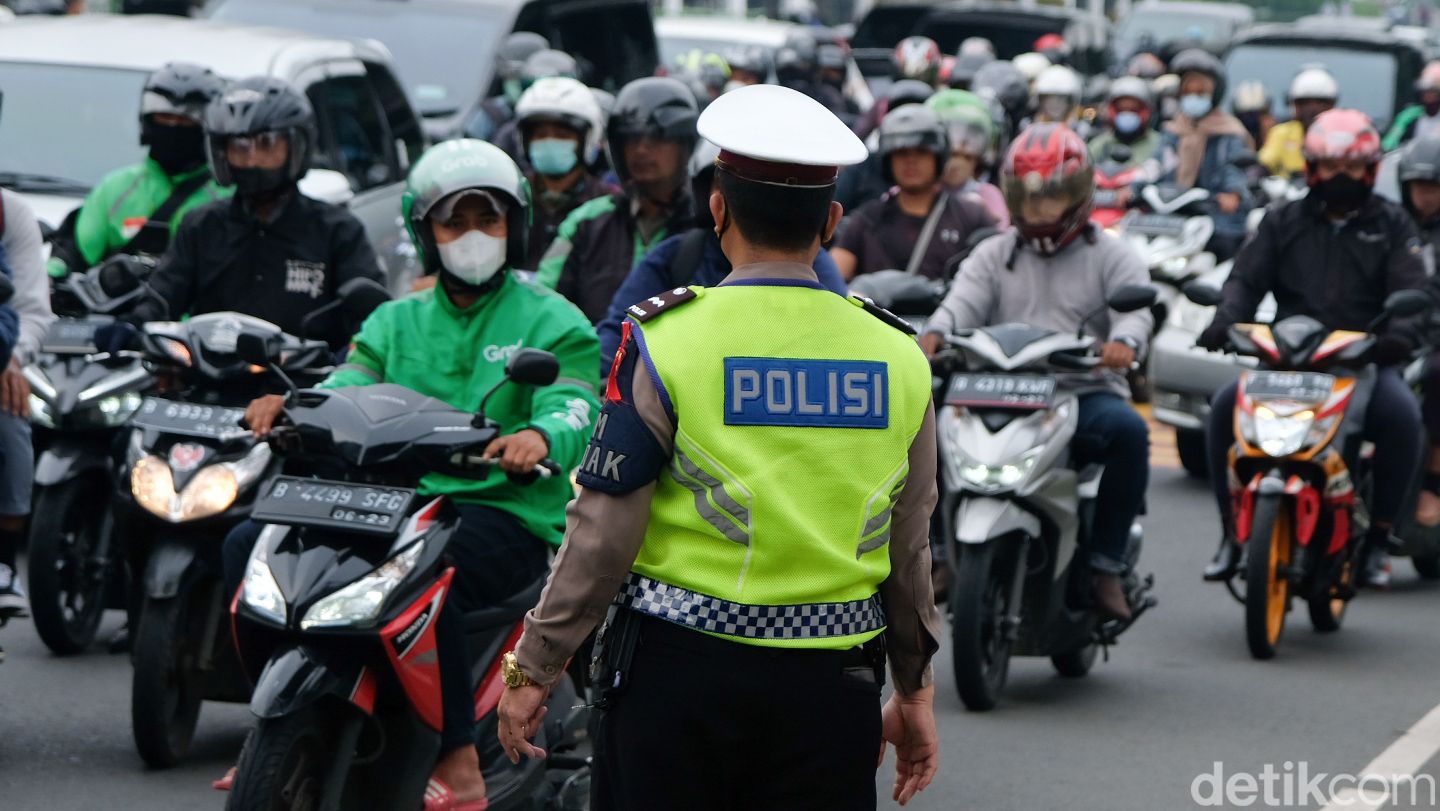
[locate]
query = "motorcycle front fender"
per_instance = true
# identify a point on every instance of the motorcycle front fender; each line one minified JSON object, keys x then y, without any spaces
{"x":978,"y":520}
{"x":63,"y":461}
{"x":169,"y":562}
{"x":295,"y":678}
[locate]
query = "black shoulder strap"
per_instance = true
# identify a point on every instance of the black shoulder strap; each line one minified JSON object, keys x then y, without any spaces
{"x":686,"y":261}
{"x":883,"y":314}
{"x":154,"y":236}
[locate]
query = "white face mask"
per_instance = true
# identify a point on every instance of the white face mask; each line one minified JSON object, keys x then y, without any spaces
{"x":473,"y":258}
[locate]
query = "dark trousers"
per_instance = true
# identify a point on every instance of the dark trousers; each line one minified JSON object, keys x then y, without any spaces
{"x":1111,"y":433}
{"x":494,"y":557}
{"x":1392,"y":423}
{"x":713,"y":725}
{"x":1430,"y":407}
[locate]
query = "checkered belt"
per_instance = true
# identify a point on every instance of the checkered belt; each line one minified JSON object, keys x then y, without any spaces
{"x":705,"y":613}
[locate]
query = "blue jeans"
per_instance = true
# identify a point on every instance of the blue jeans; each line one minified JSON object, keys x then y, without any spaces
{"x":494,"y":557}
{"x":1111,"y":433}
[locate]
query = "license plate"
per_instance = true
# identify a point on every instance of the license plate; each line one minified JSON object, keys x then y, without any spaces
{"x":1158,"y":225}
{"x":1305,"y":387}
{"x":189,"y":419}
{"x":1001,"y":391}
{"x":70,"y":336}
{"x":1106,"y":198}
{"x":336,"y":505}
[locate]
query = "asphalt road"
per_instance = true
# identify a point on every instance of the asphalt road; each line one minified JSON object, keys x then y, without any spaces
{"x":1179,"y":695}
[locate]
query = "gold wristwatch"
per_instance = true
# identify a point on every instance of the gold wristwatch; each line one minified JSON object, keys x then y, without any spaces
{"x":511,"y":673}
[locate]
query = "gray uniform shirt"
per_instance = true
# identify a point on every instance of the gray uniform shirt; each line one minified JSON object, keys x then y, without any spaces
{"x":27,"y":267}
{"x":1052,"y":292}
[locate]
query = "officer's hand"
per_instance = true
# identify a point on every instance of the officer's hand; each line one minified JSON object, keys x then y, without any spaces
{"x":931,"y":342}
{"x":909,"y":724}
{"x":1229,"y":202}
{"x":15,"y":392}
{"x":521,"y":711}
{"x":1116,"y":355}
{"x":519,"y":452}
{"x":261,"y":414}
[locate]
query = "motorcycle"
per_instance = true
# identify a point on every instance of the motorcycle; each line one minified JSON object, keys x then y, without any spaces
{"x":1299,"y":472}
{"x":80,"y":401}
{"x":1111,"y":176}
{"x":1016,"y":511}
{"x":336,"y":611}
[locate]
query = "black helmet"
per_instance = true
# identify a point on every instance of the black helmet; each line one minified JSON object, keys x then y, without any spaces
{"x":749,"y":58}
{"x":250,"y":107}
{"x":1197,"y":60}
{"x":546,"y":63}
{"x":907,"y":91}
{"x":657,"y":106}
{"x":1419,"y":161}
{"x":913,"y":127}
{"x":702,"y":178}
{"x":962,"y":74}
{"x":795,"y":59}
{"x":1004,"y":84}
{"x":180,"y":88}
{"x":516,"y":49}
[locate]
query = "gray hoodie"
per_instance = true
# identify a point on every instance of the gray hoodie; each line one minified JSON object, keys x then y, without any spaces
{"x":1052,"y":292}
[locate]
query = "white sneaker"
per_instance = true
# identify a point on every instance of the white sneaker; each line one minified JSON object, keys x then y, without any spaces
{"x":12,"y":596}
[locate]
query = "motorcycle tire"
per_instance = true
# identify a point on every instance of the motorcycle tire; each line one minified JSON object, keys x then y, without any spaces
{"x":1267,"y":588}
{"x":71,"y":564}
{"x":283,"y":764}
{"x":1427,"y":566}
{"x":1190,"y":445}
{"x":978,"y":599}
{"x":1327,"y":611}
{"x":1076,"y":664}
{"x":164,"y":696}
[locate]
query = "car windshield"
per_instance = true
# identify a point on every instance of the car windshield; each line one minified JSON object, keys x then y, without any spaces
{"x":424,"y":40}
{"x":1367,"y":78}
{"x":672,"y":47}
{"x":1160,"y":27}
{"x":93,"y":133}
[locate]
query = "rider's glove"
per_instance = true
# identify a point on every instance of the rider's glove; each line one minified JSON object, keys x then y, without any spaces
{"x":1214,"y":337}
{"x":1392,"y":349}
{"x":114,"y":337}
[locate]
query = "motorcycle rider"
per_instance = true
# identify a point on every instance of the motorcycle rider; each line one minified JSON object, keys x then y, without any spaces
{"x":1057,"y":96}
{"x":270,"y":251}
{"x":971,"y":131}
{"x":1312,"y":92}
{"x":137,"y":209}
{"x":23,"y":322}
{"x":1334,"y":256}
{"x":861,"y":184}
{"x":1200,"y":145}
{"x":919,"y":224}
{"x":693,"y":257}
{"x":1251,"y":104}
{"x":1128,"y":115}
{"x":495,"y":111}
{"x":466,"y":209}
{"x":560,"y":127}
{"x":1050,"y":271}
{"x":1422,"y":119}
{"x":1419,"y":175}
{"x":651,"y":135}
{"x":542,"y":64}
{"x":916,"y":59}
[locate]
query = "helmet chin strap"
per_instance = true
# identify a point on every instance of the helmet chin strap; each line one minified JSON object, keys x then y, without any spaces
{"x":454,"y":285}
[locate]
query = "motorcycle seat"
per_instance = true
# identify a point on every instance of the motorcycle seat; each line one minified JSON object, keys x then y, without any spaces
{"x":507,"y":612}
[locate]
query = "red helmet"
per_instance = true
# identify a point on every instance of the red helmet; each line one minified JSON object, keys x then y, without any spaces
{"x":918,"y":58}
{"x":1054,"y":46}
{"x":1343,"y":135}
{"x":1049,"y":161}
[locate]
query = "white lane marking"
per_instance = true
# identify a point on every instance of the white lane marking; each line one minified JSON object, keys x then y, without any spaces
{"x":1405,"y":757}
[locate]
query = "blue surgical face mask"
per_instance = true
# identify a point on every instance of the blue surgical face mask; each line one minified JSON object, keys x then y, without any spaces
{"x":1127,"y":122}
{"x":1195,"y":105}
{"x":553,"y":156}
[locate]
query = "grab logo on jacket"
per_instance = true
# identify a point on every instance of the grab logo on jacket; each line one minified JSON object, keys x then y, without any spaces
{"x":305,"y":277}
{"x":495,"y":353}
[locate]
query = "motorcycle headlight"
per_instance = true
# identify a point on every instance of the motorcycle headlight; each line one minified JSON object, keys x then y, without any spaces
{"x":1172,"y":267}
{"x":260,"y":591}
{"x":117,"y":409}
{"x":993,"y":478}
{"x":40,"y":412}
{"x":962,"y":468}
{"x":153,"y":486}
{"x":211,"y":492}
{"x":362,"y":600}
{"x":1282,"y":435}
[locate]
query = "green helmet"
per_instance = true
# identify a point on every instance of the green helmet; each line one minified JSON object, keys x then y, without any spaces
{"x":452,"y":166}
{"x":967,"y":119}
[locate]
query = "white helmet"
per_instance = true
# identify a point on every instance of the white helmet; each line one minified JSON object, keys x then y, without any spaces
{"x":1313,"y":83}
{"x":1031,"y":65}
{"x":1058,"y":80}
{"x":568,"y":102}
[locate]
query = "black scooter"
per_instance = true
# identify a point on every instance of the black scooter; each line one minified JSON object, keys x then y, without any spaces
{"x":336,"y":613}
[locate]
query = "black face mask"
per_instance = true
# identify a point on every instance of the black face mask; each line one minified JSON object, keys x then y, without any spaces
{"x":1431,"y":108}
{"x":259,"y":183}
{"x":176,"y":149}
{"x":1342,"y":193}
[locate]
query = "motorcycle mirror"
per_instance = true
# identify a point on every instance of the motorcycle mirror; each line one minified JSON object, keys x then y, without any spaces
{"x":362,"y":296}
{"x":120,"y":275}
{"x":1132,"y":297}
{"x":535,"y":367}
{"x":254,"y":349}
{"x":1405,"y":303}
{"x":1203,"y":294}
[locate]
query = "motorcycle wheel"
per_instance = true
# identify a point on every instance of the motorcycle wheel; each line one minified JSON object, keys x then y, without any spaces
{"x":1327,"y":611}
{"x":164,"y":697}
{"x":1267,"y":586}
{"x":979,"y":602}
{"x":69,"y":548}
{"x":283,"y":765}
{"x":1076,"y":664}
{"x":1190,"y":444}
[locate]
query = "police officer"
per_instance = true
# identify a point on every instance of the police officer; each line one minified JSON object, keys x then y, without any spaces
{"x":750,"y":499}
{"x":270,"y":252}
{"x":136,"y":209}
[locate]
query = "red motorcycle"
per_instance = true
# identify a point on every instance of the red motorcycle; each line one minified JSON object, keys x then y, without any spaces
{"x":1112,"y":177}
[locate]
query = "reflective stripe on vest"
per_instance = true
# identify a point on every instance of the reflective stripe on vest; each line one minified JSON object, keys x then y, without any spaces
{"x":714,"y":615}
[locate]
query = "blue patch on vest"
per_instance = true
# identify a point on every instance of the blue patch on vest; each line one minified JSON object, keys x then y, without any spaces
{"x":806,"y":393}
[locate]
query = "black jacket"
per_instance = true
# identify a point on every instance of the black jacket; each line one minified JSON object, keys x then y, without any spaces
{"x":222,"y":258}
{"x":1340,"y":276}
